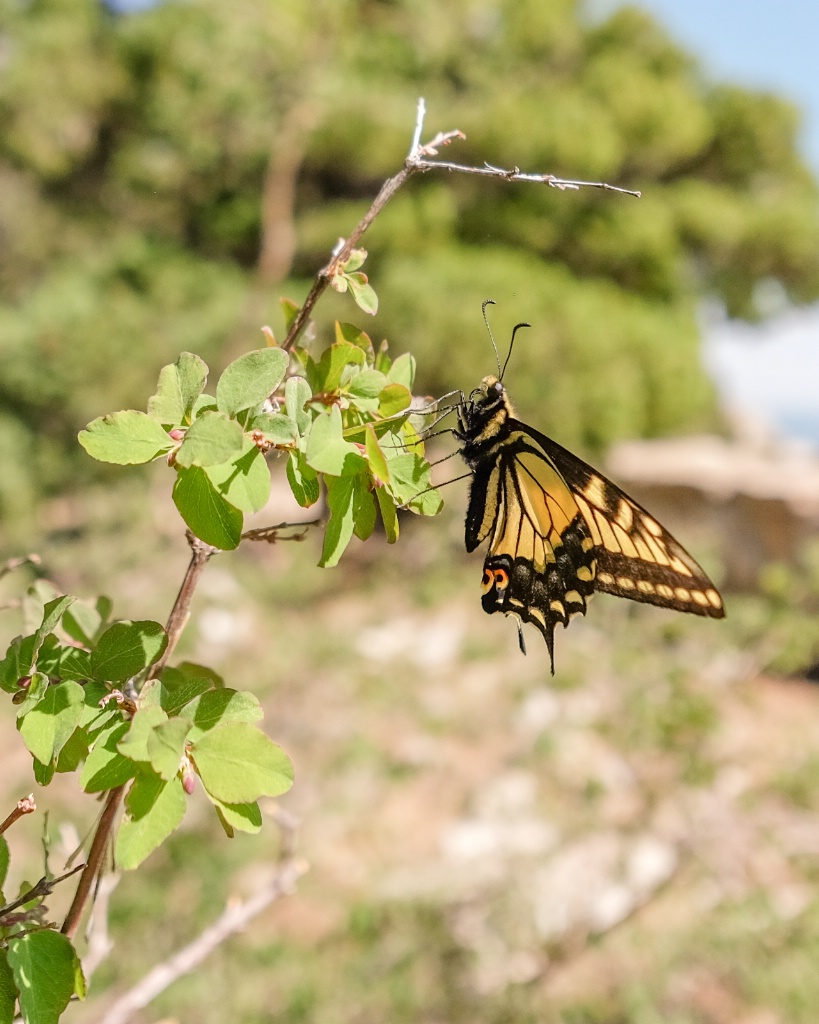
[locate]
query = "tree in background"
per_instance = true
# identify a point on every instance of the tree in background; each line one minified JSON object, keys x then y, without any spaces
{"x":137,"y":146}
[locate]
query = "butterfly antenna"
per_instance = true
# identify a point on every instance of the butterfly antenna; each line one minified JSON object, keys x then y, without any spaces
{"x":484,"y":304}
{"x":509,"y":353}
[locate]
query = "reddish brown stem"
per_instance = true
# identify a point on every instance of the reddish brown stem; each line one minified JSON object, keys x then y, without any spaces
{"x":200,"y":555}
{"x":24,"y":806}
{"x":94,"y":863}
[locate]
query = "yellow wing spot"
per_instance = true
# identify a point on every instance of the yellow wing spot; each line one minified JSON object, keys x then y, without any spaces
{"x":536,"y":613}
{"x":665,"y":591}
{"x":652,"y":526}
{"x":557,"y":606}
{"x":587,"y":544}
{"x":625,"y":542}
{"x":699,"y":598}
{"x":585,"y":573}
{"x":645,"y":587}
{"x":713,"y":598}
{"x":657,"y":548}
{"x":595,"y":491}
{"x":606,"y":532}
{"x":606,"y":578}
{"x":682,"y":594}
{"x":679,"y":566}
{"x":587,"y":514}
{"x":643,"y":549}
{"x":573,"y":597}
{"x":625,"y":583}
{"x":625,"y":515}
{"x":516,"y":602}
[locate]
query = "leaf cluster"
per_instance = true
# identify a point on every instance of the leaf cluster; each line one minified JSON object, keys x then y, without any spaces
{"x":345,"y":417}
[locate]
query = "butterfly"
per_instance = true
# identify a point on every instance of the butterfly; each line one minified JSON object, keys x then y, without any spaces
{"x":557,"y":529}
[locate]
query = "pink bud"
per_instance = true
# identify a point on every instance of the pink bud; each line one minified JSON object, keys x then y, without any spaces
{"x":176,"y":434}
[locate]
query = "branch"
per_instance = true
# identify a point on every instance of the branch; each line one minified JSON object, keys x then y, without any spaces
{"x":235,"y":916}
{"x":417,"y":163}
{"x":271,"y":533}
{"x":42,"y":888}
{"x":24,"y":806}
{"x":200,"y":555}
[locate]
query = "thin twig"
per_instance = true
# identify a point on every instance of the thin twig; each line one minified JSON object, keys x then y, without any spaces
{"x":16,"y":563}
{"x":417,"y":163}
{"x":201,"y":553}
{"x":42,"y":888}
{"x":24,"y":806}
{"x":235,"y":916}
{"x":271,"y":533}
{"x":93,"y":866}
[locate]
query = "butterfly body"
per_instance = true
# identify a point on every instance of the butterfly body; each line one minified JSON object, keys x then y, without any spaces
{"x":558,"y":530}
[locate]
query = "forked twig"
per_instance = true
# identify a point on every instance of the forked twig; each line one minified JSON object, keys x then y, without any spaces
{"x":417,"y":162}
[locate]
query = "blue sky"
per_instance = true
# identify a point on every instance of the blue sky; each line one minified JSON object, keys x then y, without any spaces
{"x":765,"y":44}
{"x":771,"y":369}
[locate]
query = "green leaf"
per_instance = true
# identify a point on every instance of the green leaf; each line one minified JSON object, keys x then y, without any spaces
{"x":8,"y":990}
{"x":204,"y":403}
{"x":213,"y":519}
{"x":355,"y":336}
{"x":327,"y":451}
{"x":37,"y":689}
{"x":367,"y":384}
{"x":428,"y":503}
{"x":126,"y":438}
{"x":243,"y":817}
{"x":364,"y":507}
{"x":339,"y":530}
{"x":46,"y":973}
{"x":379,"y":470}
{"x":394,"y":399}
{"x":290,"y":310}
{"x":409,"y":474}
{"x":362,"y":292}
{"x":63,"y":662}
{"x":180,"y":384}
{"x":47,"y":727}
{"x":303,"y":480}
{"x":297,"y":394}
{"x":238,"y":764}
{"x":4,"y":861}
{"x":211,"y":439}
{"x":126,"y":648}
{"x":83,"y":620}
{"x":166,"y":744}
{"x":402,"y":371}
{"x":250,"y":379}
{"x":74,"y":752}
{"x":244,"y":482}
{"x":220,"y":706}
{"x":276,"y":428}
{"x":43,"y":773}
{"x":134,"y":745}
{"x":325,"y":375}
{"x":177,"y":691}
{"x":389,"y":515}
{"x":105,"y":767}
{"x":154,"y":809}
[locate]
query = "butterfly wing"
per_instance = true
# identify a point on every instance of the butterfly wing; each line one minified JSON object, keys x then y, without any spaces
{"x":637,"y":558}
{"x":558,"y":530}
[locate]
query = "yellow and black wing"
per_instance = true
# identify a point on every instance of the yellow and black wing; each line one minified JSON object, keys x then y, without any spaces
{"x":558,"y":530}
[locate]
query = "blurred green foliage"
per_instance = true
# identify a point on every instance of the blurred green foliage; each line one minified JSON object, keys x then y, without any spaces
{"x":166,"y":175}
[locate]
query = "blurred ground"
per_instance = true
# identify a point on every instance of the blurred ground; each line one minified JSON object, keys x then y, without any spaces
{"x":634,"y":840}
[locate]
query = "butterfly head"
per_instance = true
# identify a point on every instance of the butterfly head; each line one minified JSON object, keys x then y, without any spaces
{"x":486,"y":412}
